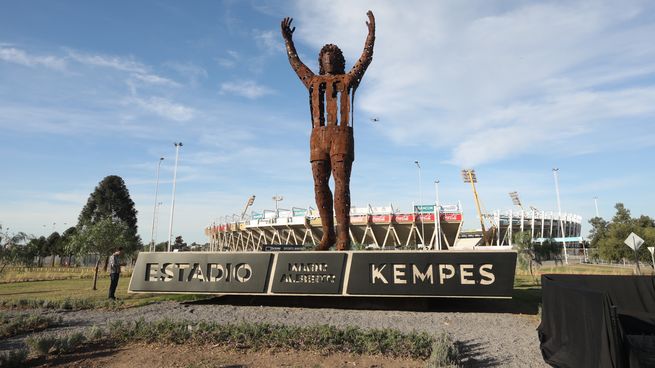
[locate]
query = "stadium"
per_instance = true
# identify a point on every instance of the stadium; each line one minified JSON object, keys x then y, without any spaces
{"x":386,"y":228}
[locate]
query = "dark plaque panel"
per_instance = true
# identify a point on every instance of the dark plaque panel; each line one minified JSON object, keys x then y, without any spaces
{"x":201,"y":272}
{"x":489,"y":274}
{"x":309,"y":273}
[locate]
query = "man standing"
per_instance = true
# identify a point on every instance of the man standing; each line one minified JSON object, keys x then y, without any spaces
{"x":114,"y":271}
{"x":331,"y":95}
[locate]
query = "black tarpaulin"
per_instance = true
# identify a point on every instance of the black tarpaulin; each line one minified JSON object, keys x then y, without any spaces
{"x":598,"y":321}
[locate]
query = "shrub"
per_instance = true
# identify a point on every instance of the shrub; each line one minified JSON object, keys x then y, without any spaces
{"x":444,"y":353}
{"x":13,"y":358}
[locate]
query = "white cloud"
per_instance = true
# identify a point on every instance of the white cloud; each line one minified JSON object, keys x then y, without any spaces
{"x":109,"y":61}
{"x":136,"y":70}
{"x":165,"y":108}
{"x":230,"y":60}
{"x":490,"y":80}
{"x":155,"y":79}
{"x":248,"y":89}
{"x":269,"y":40}
{"x":18,"y":56}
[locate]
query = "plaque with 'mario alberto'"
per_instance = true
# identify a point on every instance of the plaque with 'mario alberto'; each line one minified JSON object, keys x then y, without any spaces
{"x":309,"y":272}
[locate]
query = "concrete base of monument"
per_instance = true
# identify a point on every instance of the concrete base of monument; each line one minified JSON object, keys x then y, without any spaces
{"x":472,"y":274}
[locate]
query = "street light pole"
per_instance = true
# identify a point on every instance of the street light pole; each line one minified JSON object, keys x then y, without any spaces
{"x":437,"y":219}
{"x":154,"y":211}
{"x":559,"y":211}
{"x":170,"y":223}
{"x":420,"y":198}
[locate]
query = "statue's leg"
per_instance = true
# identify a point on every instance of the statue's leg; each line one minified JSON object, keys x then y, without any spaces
{"x":321,"y":173}
{"x":341,"y":169}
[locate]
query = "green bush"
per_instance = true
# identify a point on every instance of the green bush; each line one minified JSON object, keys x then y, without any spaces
{"x":22,"y":323}
{"x":264,"y":336}
{"x":13,"y":358}
{"x":44,"y":345}
{"x":445,"y":353}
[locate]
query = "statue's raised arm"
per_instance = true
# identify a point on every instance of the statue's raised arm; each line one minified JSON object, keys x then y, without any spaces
{"x":364,"y":61}
{"x":304,"y":73}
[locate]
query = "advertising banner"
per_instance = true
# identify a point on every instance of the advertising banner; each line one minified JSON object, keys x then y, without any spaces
{"x":424,"y":208}
{"x":381,"y":218}
{"x":451,"y":216}
{"x":404,"y":217}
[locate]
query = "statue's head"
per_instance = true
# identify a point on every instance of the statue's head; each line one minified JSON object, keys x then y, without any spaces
{"x":331,"y":61}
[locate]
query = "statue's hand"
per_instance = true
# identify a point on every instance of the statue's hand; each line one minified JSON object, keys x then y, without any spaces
{"x":371,"y":22}
{"x":287,"y":31}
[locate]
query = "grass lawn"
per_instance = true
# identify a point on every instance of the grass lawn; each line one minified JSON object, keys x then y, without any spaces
{"x":56,"y":290}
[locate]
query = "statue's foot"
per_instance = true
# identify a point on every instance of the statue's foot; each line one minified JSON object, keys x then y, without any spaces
{"x":343,"y":244}
{"x":326,"y":242}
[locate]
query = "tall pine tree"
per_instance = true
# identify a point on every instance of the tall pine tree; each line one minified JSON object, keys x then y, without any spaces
{"x":111,"y":199}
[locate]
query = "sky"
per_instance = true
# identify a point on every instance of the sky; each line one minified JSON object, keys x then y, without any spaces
{"x":512,"y":89}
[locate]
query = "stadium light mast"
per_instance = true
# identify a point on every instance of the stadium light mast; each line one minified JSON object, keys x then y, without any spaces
{"x":469,"y":177}
{"x":154,"y":211}
{"x":559,"y":211}
{"x":515,"y":199}
{"x":277,"y":199}
{"x":437,"y":219}
{"x":420,"y":198}
{"x":170,"y":222}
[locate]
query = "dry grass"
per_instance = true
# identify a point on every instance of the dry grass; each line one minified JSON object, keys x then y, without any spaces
{"x":32,"y":293}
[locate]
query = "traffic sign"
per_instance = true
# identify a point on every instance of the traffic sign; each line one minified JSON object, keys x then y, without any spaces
{"x":634,"y":241}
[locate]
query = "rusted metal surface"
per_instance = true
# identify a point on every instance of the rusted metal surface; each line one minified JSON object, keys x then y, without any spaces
{"x":331,"y":96}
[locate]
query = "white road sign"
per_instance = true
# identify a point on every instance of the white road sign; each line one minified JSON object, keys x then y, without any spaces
{"x":634,"y":241}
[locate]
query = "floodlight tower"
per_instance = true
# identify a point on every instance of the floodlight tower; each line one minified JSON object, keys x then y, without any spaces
{"x":515,"y":199}
{"x":469,"y":177}
{"x":170,"y":223}
{"x":251,"y":200}
{"x":437,"y":219}
{"x":559,"y":210}
{"x":277,"y":199}
{"x":154,"y":211}
{"x":420,"y":198}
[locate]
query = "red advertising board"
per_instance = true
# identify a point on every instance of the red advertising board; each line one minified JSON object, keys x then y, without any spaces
{"x":404,"y":217}
{"x":358,"y":219}
{"x":381,"y":218}
{"x":426,"y":217}
{"x":451,"y":216}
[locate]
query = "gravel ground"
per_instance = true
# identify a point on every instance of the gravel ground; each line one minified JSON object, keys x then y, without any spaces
{"x":490,"y":333}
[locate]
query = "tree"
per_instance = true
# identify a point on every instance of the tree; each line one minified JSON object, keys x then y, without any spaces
{"x":111,"y":199}
{"x":11,"y":247}
{"x":53,"y":246}
{"x":609,"y":237}
{"x":102,"y":238}
{"x":65,"y":245}
{"x":527,"y":257}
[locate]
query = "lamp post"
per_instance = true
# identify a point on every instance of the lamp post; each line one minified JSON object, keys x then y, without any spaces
{"x":437,"y":219}
{"x":277,"y":199}
{"x":596,"y":205}
{"x":154,"y":211}
{"x":170,"y":223}
{"x":420,"y":198}
{"x":559,"y":211}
